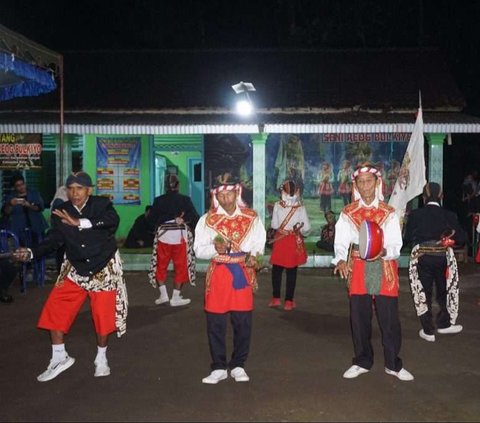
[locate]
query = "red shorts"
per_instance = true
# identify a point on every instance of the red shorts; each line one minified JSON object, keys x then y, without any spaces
{"x":178,"y":254}
{"x":65,"y":301}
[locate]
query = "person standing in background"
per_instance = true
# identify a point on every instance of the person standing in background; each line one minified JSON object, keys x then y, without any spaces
{"x":432,"y":231}
{"x":173,"y":217}
{"x":291,"y":224}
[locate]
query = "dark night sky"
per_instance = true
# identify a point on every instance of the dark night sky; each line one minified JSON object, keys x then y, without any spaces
{"x":64,"y":25}
{"x":148,"y":24}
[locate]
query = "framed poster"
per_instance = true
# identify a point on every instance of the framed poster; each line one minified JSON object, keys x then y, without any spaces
{"x":118,"y":169}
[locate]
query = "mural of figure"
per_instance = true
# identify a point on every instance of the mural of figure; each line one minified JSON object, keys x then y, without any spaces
{"x":392,"y":176}
{"x":326,"y":177}
{"x":290,"y":161}
{"x":344,"y":178}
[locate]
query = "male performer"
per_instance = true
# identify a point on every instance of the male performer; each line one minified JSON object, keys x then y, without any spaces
{"x":86,"y":226}
{"x":291,"y":224}
{"x":371,"y":283}
{"x":433,"y":231}
{"x":233,"y":237}
{"x":174,"y":217}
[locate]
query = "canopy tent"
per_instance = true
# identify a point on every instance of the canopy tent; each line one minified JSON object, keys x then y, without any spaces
{"x":27,"y":68}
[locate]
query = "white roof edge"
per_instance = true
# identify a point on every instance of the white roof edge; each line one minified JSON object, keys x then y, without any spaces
{"x":432,"y":128}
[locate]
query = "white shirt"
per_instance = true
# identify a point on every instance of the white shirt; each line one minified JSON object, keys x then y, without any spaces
{"x":280,"y":213}
{"x":204,"y":248}
{"x":173,"y":236}
{"x":346,"y":233}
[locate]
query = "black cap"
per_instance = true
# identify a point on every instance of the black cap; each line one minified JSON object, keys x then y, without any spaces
{"x":80,"y":178}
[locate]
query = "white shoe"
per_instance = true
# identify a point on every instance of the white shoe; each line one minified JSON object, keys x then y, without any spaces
{"x":179,"y":301}
{"x":162,"y":300}
{"x":354,"y":371}
{"x":402,"y":374}
{"x":423,"y":335}
{"x":451,"y":329}
{"x":54,"y":369}
{"x":215,"y":377}
{"x":101,"y":368}
{"x":239,"y":374}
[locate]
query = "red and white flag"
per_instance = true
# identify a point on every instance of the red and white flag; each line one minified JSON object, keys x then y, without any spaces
{"x":411,"y":178}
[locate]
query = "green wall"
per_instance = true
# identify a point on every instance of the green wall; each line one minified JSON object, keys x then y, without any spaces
{"x":127,"y":213}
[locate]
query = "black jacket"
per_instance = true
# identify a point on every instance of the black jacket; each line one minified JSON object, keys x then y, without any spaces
{"x":171,"y":205}
{"x":429,"y":223}
{"x":89,"y":250}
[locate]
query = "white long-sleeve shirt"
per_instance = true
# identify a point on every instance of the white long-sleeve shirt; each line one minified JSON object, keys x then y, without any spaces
{"x":280,"y":213}
{"x":346,"y":233}
{"x":204,"y":247}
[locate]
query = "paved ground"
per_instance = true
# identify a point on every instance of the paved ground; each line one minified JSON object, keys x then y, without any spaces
{"x":296,"y":363}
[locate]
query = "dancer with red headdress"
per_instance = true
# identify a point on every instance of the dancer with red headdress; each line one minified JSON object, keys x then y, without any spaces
{"x":372,"y":281}
{"x":291,"y":224}
{"x":233,"y":237}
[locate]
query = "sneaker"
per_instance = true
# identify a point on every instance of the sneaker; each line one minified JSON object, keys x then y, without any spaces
{"x":403,"y":374}
{"x":175,"y":302}
{"x":289,"y":305}
{"x":55,"y":368}
{"x":239,"y":374}
{"x":215,"y":377}
{"x":354,"y":371}
{"x":274,"y":302}
{"x":451,"y":329}
{"x":162,"y":300}
{"x":101,"y":368}
{"x":423,"y":335}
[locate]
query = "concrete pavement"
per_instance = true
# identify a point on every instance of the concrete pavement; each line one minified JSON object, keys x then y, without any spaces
{"x":296,"y":362}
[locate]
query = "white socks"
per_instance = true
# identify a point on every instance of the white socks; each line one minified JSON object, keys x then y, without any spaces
{"x":101,"y":354}
{"x":58,"y":352}
{"x":176,"y":294}
{"x":163,"y":291}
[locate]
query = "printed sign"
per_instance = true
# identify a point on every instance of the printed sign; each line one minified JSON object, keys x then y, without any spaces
{"x":118,"y":169}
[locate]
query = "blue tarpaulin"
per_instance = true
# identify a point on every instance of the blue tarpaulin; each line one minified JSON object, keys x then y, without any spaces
{"x":26,"y":68}
{"x":21,"y":79}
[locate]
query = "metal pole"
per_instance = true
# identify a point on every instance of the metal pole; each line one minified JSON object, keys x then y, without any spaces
{"x":61,"y":149}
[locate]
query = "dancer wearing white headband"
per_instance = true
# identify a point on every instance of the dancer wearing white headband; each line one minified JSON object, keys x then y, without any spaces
{"x":371,"y":283}
{"x":232,"y":236}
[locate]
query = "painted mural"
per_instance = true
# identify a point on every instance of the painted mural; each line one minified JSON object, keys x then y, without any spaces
{"x":322,"y":164}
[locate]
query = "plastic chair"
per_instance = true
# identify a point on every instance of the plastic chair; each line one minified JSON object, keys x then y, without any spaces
{"x":38,"y":265}
{"x":10,"y":242}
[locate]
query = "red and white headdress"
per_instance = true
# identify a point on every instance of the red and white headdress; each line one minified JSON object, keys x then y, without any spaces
{"x":373,"y":171}
{"x":226,"y":182}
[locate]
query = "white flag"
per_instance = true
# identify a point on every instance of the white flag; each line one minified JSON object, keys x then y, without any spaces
{"x":411,"y":178}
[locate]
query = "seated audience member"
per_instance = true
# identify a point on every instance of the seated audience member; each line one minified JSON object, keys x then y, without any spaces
{"x":141,"y":234}
{"x":327,"y":235}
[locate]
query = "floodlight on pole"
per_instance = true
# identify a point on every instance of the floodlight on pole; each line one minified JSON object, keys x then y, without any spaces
{"x":244,"y":106}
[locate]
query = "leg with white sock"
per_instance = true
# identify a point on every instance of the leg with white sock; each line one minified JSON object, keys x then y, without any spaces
{"x":101,"y":362}
{"x":177,"y":299}
{"x":163,"y":298}
{"x":60,"y":360}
